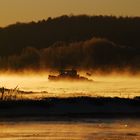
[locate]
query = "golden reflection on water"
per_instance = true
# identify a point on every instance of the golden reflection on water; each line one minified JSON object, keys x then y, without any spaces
{"x":108,"y":129}
{"x":116,"y":85}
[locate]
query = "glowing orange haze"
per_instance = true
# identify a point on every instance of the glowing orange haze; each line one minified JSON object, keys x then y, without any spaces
{"x":111,"y":85}
{"x":12,"y":11}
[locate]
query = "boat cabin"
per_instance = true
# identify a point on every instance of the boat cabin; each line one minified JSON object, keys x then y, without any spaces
{"x":71,"y":73}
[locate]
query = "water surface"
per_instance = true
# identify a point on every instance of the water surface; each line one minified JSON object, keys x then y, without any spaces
{"x":122,"y":86}
{"x":86,"y":129}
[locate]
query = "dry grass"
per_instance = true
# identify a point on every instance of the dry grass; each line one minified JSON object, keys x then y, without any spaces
{"x":10,"y":94}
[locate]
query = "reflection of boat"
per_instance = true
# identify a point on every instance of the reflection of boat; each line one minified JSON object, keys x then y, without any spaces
{"x":68,"y":75}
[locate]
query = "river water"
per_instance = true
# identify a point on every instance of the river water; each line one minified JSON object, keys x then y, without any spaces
{"x":84,"y":129}
{"x":116,"y":85}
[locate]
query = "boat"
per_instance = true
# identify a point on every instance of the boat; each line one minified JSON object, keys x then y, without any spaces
{"x":69,"y":74}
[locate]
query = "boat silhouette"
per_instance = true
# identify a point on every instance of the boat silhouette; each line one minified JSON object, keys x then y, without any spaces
{"x":68,"y":74}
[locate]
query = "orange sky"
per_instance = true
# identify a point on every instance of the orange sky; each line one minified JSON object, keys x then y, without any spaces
{"x":12,"y":11}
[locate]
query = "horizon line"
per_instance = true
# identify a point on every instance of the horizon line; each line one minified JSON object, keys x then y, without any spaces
{"x":69,"y":15}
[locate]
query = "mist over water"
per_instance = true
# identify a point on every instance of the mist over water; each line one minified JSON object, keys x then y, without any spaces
{"x":39,"y":86}
{"x":99,"y":129}
{"x":85,"y":128}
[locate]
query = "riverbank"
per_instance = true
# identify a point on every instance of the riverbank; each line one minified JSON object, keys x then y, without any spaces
{"x":74,"y":107}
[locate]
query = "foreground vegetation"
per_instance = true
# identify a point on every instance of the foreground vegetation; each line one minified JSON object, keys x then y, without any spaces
{"x":72,"y":107}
